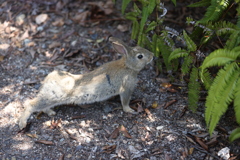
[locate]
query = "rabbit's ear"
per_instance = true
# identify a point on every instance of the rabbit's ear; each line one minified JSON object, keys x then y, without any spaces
{"x":119,"y":46}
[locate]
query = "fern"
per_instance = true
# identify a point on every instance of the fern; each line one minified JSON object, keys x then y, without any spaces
{"x":220,"y":57}
{"x":202,"y":3}
{"x":165,"y":52}
{"x":220,"y":94}
{"x":237,"y":100}
{"x":193,"y":87}
{"x":206,"y":79}
{"x":177,"y":53}
{"x":190,"y":44}
{"x":235,"y":134}
{"x":233,"y":40}
{"x":186,"y":64}
{"x":214,"y":11}
{"x":222,"y":27}
{"x":124,"y":5}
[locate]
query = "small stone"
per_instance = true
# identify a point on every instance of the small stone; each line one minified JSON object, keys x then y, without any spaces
{"x":41,"y":18}
{"x":159,"y":127}
{"x":20,"y":19}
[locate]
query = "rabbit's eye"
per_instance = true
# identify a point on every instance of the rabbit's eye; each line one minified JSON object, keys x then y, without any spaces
{"x":140,"y":56}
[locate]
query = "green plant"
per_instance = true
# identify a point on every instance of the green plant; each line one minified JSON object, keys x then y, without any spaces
{"x":225,"y":87}
{"x":214,"y":26}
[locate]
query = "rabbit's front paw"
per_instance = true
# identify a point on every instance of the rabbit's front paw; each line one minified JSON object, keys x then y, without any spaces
{"x":129,"y":110}
{"x":50,"y":112}
{"x":22,"y":124}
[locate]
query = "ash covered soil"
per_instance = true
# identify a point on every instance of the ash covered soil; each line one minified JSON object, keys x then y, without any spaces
{"x":37,"y":37}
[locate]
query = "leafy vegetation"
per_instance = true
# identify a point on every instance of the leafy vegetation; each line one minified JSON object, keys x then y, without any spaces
{"x":224,"y":88}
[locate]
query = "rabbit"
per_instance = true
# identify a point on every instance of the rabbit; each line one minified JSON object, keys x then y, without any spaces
{"x":113,"y":78}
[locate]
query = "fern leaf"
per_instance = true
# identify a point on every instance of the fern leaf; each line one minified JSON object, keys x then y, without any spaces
{"x":186,"y":64}
{"x":124,"y":5}
{"x":238,"y":18}
{"x":135,"y":29}
{"x":233,"y":40}
{"x":215,"y":10}
{"x":223,"y":27}
{"x":220,"y":94}
{"x":234,"y":135}
{"x":136,"y":9}
{"x":142,"y":23}
{"x":237,"y":100}
{"x":193,"y":87}
{"x":165,"y":52}
{"x":220,"y":57}
{"x":190,"y":44}
{"x":202,"y":3}
{"x":206,"y":79}
{"x":151,"y":26}
{"x":151,"y":6}
{"x":174,"y":2}
{"x":177,"y":53}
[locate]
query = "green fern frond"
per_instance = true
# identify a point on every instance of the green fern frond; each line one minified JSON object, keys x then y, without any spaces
{"x":223,"y":27}
{"x":190,"y":44}
{"x":124,"y":5}
{"x":215,"y":10}
{"x":186,"y":64}
{"x":234,"y":135}
{"x":220,"y":57}
{"x":165,"y":52}
{"x":237,"y":100}
{"x":220,"y":94}
{"x":142,"y":24}
{"x":202,"y":3}
{"x":238,"y":13}
{"x":177,"y":53}
{"x":174,"y":2}
{"x":233,"y":40}
{"x":135,"y":29}
{"x":151,"y":26}
{"x":151,"y":6}
{"x":206,"y":78}
{"x":193,"y":87}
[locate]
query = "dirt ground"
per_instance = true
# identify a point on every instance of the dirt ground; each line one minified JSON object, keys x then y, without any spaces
{"x":37,"y":37}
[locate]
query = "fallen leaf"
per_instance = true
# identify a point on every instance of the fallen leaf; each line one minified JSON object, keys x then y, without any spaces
{"x":32,"y":135}
{"x":78,"y":117}
{"x":201,"y":143}
{"x":61,"y":157}
{"x":56,"y":124}
{"x":45,"y":142}
{"x":149,"y":114}
{"x":190,"y":151}
{"x":122,"y":28}
{"x":155,"y":104}
{"x":4,"y":46}
{"x":157,"y":151}
{"x":109,"y":148}
{"x":114,"y":134}
{"x":139,"y":108}
{"x":54,"y":44}
{"x":124,"y":131}
{"x":41,"y":18}
{"x":1,"y":58}
{"x":59,"y":22}
{"x":166,"y":85}
{"x":80,"y":17}
{"x":170,"y":103}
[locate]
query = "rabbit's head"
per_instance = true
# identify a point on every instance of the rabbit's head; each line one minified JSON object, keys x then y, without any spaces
{"x":135,"y":57}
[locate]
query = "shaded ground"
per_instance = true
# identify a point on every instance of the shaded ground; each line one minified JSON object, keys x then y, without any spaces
{"x":71,"y":36}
